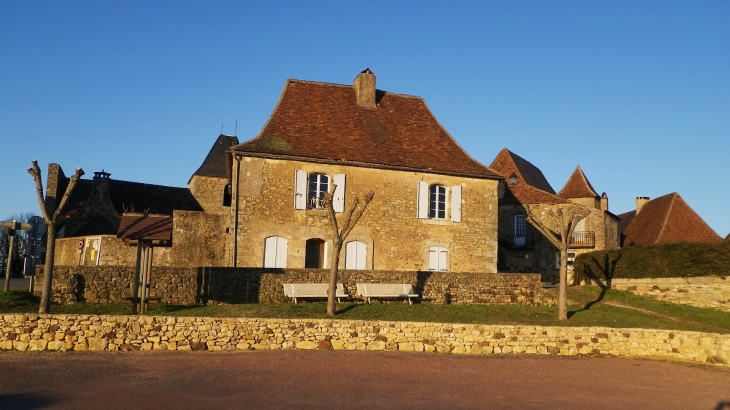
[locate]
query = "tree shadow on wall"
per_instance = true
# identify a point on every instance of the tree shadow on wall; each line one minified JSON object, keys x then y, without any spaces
{"x":229,"y":285}
{"x":602,"y":276}
{"x":421,"y":279}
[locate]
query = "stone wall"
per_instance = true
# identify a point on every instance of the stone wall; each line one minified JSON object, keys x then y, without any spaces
{"x":198,"y":239}
{"x":208,"y":191}
{"x":705,"y":292}
{"x":396,"y":239}
{"x":114,"y":333}
{"x":194,"y":285}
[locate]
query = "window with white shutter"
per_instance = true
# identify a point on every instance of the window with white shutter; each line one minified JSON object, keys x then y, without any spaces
{"x":456,"y":203}
{"x":437,"y":258}
{"x":275,"y":252}
{"x":355,"y":255}
{"x":338,"y":197}
{"x":300,"y":189}
{"x":433,"y":202}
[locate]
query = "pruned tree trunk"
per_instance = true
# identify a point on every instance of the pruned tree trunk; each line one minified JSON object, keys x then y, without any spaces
{"x":351,"y":217}
{"x":557,"y":223}
{"x":53,"y":220}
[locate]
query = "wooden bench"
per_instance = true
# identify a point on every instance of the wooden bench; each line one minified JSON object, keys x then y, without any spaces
{"x":386,"y":290}
{"x":312,"y":290}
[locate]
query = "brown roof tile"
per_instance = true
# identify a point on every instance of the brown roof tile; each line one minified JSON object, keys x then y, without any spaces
{"x":668,"y":219}
{"x":214,"y":164}
{"x":531,"y":187}
{"x":578,"y":186}
{"x":144,"y":226}
{"x":323,"y":121}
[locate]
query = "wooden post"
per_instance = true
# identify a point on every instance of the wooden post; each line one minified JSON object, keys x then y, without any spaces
{"x":137,"y":272}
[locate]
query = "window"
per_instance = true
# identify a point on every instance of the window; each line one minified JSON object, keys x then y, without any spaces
{"x":434,"y":203}
{"x":314,"y":254}
{"x":319,"y":184}
{"x":437,"y":202}
{"x":275,"y":252}
{"x":437,"y":258}
{"x":355,"y":255}
{"x":309,"y":190}
{"x":520,"y":230}
{"x":227,"y":195}
{"x":570,"y":257}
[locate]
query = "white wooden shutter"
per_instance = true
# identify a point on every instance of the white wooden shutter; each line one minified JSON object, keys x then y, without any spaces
{"x":270,"y":252}
{"x":281,"y":252}
{"x":442,"y":259}
{"x":351,"y":255}
{"x":362,"y":255}
{"x":433,"y":258}
{"x":422,"y":206}
{"x":300,"y":189}
{"x":456,"y":203}
{"x":326,"y":261}
{"x":338,"y":197}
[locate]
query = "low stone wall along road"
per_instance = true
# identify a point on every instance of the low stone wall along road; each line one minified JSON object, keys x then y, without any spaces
{"x":351,"y":380}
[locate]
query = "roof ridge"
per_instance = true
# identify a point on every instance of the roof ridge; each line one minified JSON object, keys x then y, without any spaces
{"x":296,"y":80}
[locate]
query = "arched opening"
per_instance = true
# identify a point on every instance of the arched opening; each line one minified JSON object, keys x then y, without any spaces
{"x":314,"y":254}
{"x":227,"y":195}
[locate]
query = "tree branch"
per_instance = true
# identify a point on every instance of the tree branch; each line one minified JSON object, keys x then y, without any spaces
{"x":36,"y":173}
{"x":66,"y":195}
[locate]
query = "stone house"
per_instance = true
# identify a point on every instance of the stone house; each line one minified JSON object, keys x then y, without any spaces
{"x":104,"y":216}
{"x":665,"y":219}
{"x":435,"y":207}
{"x":521,"y":246}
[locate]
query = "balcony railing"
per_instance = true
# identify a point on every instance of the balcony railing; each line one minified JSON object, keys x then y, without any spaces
{"x":315,"y":202}
{"x":526,"y":241}
{"x":583,"y":240}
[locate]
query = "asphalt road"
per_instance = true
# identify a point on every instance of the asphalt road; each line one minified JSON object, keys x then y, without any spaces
{"x":17,"y":283}
{"x":352,"y":380}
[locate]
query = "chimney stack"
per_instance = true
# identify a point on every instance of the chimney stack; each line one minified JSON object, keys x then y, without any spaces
{"x":365,"y":89}
{"x":604,"y":202}
{"x":640,"y":202}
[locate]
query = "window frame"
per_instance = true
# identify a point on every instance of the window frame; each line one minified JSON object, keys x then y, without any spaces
{"x":316,"y":201}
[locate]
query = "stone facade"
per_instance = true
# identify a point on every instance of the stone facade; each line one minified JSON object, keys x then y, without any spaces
{"x":199,"y":239}
{"x":115,"y":333}
{"x":210,"y":193}
{"x":540,"y":255}
{"x":211,"y":285}
{"x":396,"y":239}
{"x":704,"y":292}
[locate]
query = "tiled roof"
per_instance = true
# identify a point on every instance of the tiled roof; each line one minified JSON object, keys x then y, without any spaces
{"x":531,"y":187}
{"x":578,"y":186}
{"x":667,"y":219}
{"x":323,"y":121}
{"x":136,"y":226}
{"x":214,"y":164}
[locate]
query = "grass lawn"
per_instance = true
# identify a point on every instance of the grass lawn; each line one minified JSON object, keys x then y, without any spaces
{"x":634,"y":311}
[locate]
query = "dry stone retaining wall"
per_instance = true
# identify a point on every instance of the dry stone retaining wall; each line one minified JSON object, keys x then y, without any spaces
{"x":114,"y":333}
{"x":704,"y":292}
{"x":213,"y":285}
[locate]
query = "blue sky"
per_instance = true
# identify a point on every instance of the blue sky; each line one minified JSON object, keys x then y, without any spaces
{"x":637,"y":93}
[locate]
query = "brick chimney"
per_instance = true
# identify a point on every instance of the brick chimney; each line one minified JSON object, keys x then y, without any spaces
{"x":365,"y":89}
{"x":640,"y":202}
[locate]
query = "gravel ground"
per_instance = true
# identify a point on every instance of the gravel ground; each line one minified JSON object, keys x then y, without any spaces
{"x":329,"y":379}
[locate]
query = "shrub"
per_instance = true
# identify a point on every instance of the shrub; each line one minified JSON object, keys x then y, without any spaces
{"x":671,"y":260}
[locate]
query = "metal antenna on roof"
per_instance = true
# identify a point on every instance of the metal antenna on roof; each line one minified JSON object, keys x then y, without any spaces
{"x":235,"y":130}
{"x":221,"y":128}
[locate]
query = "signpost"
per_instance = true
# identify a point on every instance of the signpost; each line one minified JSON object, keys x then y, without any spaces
{"x":12,"y":228}
{"x":33,"y":248}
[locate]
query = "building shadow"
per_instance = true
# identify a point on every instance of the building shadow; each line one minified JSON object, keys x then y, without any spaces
{"x":26,"y":401}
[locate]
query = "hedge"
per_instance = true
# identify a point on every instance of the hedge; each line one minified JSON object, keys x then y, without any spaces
{"x":671,"y":260}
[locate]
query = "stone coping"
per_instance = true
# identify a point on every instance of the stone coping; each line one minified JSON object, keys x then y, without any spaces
{"x":32,"y":332}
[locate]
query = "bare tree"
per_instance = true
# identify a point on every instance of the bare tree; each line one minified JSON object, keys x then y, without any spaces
{"x":53,"y":220}
{"x":557,"y":223}
{"x":351,"y":217}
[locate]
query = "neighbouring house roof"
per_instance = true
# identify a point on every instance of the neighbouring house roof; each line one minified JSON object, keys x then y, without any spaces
{"x":95,"y":206}
{"x":665,"y":219}
{"x":531,"y":187}
{"x":322,"y":121}
{"x":214,"y":164}
{"x":135,"y":226}
{"x":578,"y":186}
